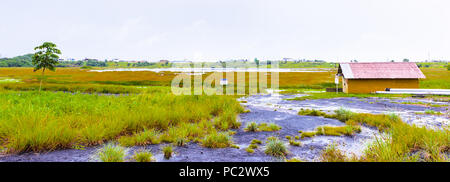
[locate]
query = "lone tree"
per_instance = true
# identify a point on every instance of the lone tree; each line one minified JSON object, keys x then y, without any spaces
{"x":46,"y":57}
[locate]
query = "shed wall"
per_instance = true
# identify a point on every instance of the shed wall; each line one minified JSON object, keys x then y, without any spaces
{"x":372,"y":85}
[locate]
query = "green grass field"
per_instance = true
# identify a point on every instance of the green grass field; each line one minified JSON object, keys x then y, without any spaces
{"x":30,"y":121}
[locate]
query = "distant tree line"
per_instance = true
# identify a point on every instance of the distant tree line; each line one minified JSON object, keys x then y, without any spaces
{"x":26,"y":61}
{"x":141,"y":64}
{"x":19,"y":61}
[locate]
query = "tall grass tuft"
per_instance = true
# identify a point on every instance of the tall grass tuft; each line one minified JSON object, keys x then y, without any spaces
{"x":217,"y":140}
{"x":410,"y":143}
{"x":275,"y":147}
{"x":251,"y":127}
{"x":332,"y":154}
{"x":143,"y":156}
{"x":167,"y":151}
{"x":112,"y":153}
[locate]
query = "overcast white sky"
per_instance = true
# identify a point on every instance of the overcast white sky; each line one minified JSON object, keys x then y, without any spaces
{"x":369,"y":30}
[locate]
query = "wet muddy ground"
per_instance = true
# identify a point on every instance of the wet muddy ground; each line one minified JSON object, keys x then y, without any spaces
{"x":275,"y":108}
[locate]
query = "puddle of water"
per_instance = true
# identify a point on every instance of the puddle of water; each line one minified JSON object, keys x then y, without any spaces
{"x":9,"y":80}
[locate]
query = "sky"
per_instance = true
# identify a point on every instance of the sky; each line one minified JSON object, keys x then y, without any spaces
{"x":211,"y":30}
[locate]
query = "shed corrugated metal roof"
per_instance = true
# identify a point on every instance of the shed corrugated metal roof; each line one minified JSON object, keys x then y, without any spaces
{"x":385,"y":70}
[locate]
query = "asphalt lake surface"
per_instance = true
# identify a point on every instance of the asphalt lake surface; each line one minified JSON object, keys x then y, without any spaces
{"x":275,"y":108}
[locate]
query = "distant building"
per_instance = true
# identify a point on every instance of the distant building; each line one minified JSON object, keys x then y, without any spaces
{"x":164,"y":61}
{"x":288,"y":59}
{"x":87,"y":59}
{"x":184,"y":61}
{"x":372,"y":77}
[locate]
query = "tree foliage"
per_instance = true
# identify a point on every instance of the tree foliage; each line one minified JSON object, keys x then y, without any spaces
{"x":46,"y":57}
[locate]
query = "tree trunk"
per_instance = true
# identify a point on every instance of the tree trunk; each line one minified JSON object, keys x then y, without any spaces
{"x":42,"y":77}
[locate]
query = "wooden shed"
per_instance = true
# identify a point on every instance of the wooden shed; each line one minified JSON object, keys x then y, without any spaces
{"x":372,"y":77}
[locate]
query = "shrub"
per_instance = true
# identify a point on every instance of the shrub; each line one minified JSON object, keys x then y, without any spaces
{"x":112,"y":153}
{"x":275,"y":147}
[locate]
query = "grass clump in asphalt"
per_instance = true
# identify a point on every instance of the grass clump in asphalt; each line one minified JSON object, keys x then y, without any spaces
{"x":147,"y":137}
{"x":167,"y":151}
{"x":251,"y":127}
{"x":381,"y":121}
{"x":271,"y":127}
{"x":180,"y":141}
{"x":255,"y":141}
{"x":217,"y":140}
{"x":275,"y":147}
{"x":267,"y":127}
{"x":410,"y":143}
{"x":253,"y":146}
{"x":312,"y":112}
{"x":227,"y":120}
{"x":342,"y":115}
{"x":430,"y":112}
{"x":250,"y":150}
{"x":294,"y":143}
{"x":308,"y":134}
{"x":294,"y":160}
{"x":348,"y":130}
{"x":112,"y":153}
{"x":332,"y":154}
{"x":143,"y":156}
{"x":422,"y":104}
{"x":330,"y":95}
